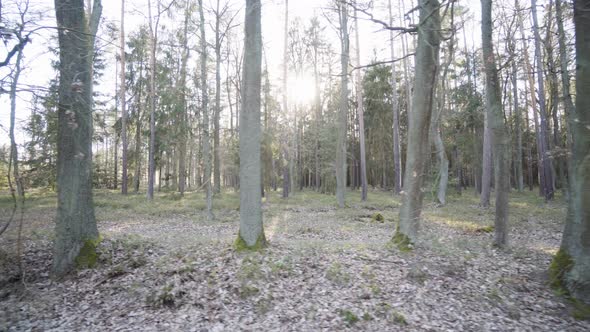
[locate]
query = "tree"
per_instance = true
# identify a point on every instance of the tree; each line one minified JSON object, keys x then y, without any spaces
{"x":76,"y":234}
{"x":152,"y":102}
{"x":251,"y":233}
{"x":284,"y":147}
{"x":122,"y":101}
{"x":419,"y":122}
{"x":183,"y":125}
{"x":499,"y":134}
{"x":547,"y":184}
{"x":397,"y":160}
{"x":360,"y":111}
{"x":570,"y":268}
{"x":343,"y":111}
{"x":205,"y":123}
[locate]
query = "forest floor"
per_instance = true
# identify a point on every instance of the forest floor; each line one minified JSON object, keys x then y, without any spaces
{"x":164,"y":267}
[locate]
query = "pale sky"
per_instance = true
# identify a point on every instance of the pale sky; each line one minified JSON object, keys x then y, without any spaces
{"x":373,"y":41}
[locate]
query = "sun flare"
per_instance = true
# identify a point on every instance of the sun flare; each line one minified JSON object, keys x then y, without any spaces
{"x":301,"y":89}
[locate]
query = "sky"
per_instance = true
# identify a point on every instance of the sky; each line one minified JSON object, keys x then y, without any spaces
{"x":38,"y":72}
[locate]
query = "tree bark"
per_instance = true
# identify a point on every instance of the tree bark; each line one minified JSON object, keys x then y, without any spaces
{"x":565,"y":76}
{"x":571,"y":266}
{"x":486,"y":175}
{"x":183,"y":125}
{"x":361,"y":117}
{"x":419,"y":122}
{"x":123,"y":102}
{"x":498,"y":130}
{"x":543,"y":129}
{"x":217,"y":112}
{"x":76,"y":233}
{"x":397,"y":160}
{"x":343,"y":111}
{"x":205,"y":110}
{"x":251,"y":232}
{"x":152,"y":102}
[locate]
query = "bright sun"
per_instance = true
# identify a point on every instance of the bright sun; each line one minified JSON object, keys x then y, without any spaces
{"x":301,"y":89}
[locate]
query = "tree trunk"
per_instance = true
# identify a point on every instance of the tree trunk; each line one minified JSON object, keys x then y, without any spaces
{"x":360,"y":111}
{"x":284,"y":141}
{"x":123,"y":102}
{"x":419,"y":122}
{"x":137,"y":174}
{"x":205,"y":110}
{"x":498,"y":130}
{"x":251,"y":234}
{"x":543,"y":129}
{"x":565,"y":76}
{"x":518,"y":129}
{"x":571,"y":265}
{"x":76,"y":234}
{"x":397,"y":161}
{"x":343,"y":111}
{"x":152,"y":101}
{"x":486,"y":175}
{"x":216,"y":114}
{"x":183,"y":125}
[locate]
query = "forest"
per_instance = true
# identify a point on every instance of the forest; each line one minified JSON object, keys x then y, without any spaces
{"x":276,"y":165}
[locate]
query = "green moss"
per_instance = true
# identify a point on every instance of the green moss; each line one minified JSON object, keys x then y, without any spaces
{"x":485,"y":229}
{"x":581,"y":311}
{"x":349,"y":317}
{"x":398,"y":318}
{"x":378,"y":217}
{"x":561,"y":264}
{"x":88,"y":255}
{"x":241,"y":245}
{"x":401,"y":241}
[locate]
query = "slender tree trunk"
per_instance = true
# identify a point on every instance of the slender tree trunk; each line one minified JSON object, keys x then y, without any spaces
{"x":486,"y":177}
{"x":443,"y":161}
{"x":183,"y":126}
{"x":217,"y":112}
{"x":205,"y":110}
{"x":343,"y":111}
{"x":20,"y":191}
{"x":152,"y":102}
{"x":571,"y":265}
{"x":251,"y":234}
{"x":123,"y":102}
{"x":533,"y":101}
{"x":518,"y":129}
{"x":565,"y":76}
{"x":116,"y":147}
{"x":361,"y":117}
{"x":76,"y":234}
{"x":284,"y":142}
{"x":397,"y":160}
{"x":419,"y":122}
{"x":137,"y":174}
{"x":544,"y":127}
{"x":499,"y":132}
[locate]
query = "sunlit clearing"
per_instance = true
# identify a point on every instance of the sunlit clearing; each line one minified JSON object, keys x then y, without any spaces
{"x":301,"y":90}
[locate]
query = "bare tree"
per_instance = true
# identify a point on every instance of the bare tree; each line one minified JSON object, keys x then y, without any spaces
{"x":251,"y":234}
{"x":419,"y":122}
{"x":343,"y":111}
{"x":571,"y":265}
{"x":360,"y":111}
{"x":497,"y":125}
{"x":205,"y":110}
{"x":122,"y":101}
{"x":76,"y":234}
{"x":543,"y":130}
{"x":397,"y":160}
